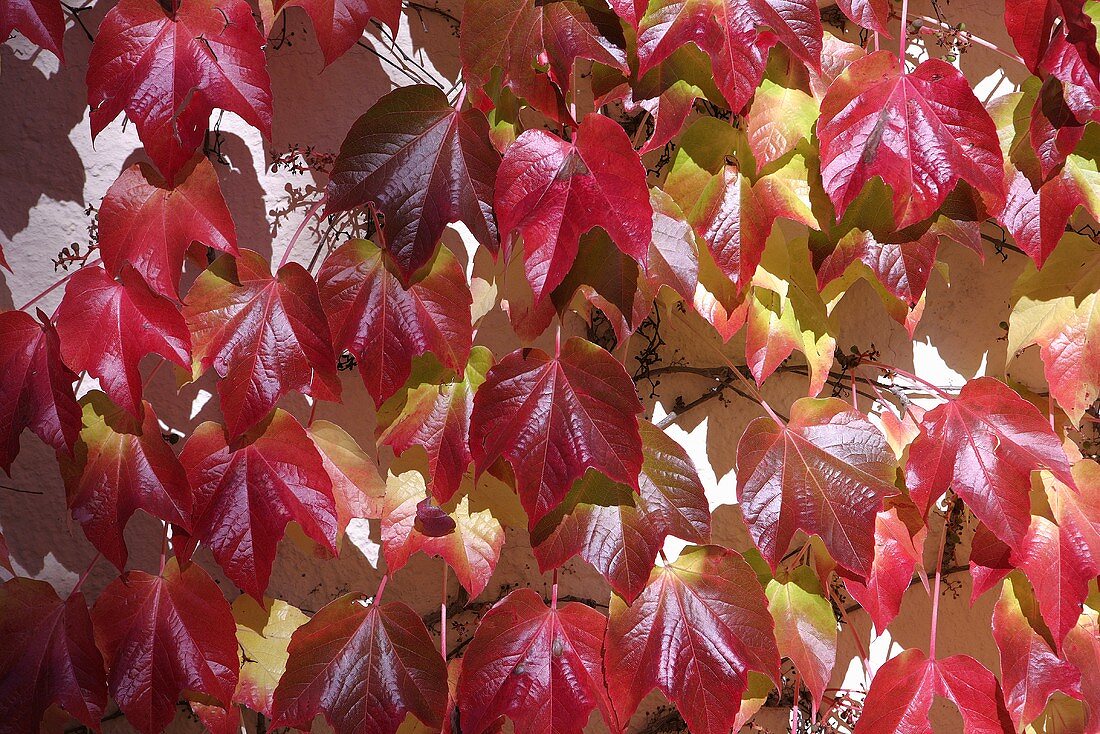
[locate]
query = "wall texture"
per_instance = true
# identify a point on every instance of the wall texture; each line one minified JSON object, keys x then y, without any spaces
{"x":51,"y":172}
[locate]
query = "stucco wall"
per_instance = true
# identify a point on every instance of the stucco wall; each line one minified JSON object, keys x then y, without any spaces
{"x":50,"y":172}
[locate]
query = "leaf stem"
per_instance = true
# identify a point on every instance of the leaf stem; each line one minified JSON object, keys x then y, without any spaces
{"x":902,"y":34}
{"x":974,"y":39}
{"x":301,"y":228}
{"x":163,"y":548}
{"x":381,"y":588}
{"x":554,"y":592}
{"x":443,"y":616}
{"x":909,"y":376}
{"x":84,"y":576}
{"x":56,"y":284}
{"x":936,"y":595}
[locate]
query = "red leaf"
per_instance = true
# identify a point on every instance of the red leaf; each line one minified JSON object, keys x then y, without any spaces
{"x":989,"y":561}
{"x":339,"y":24}
{"x":552,"y":418}
{"x":357,"y":488}
{"x":984,"y":444}
{"x":1037,"y":219}
{"x":1030,"y":669}
{"x":1030,"y":23}
{"x":805,"y":628}
{"x":826,"y":472}
{"x":163,"y":636}
{"x":469,"y":542}
{"x":673,"y":259}
{"x":539,"y":666}
{"x":263,"y":335}
{"x":37,"y":389}
{"x":729,"y":32}
{"x":629,"y":10}
{"x":903,"y":268}
{"x":423,"y":164}
{"x":1082,"y":649}
{"x":146,"y":223}
{"x":920,"y":132}
{"x":384,"y":325}
{"x":552,"y":191}
{"x":122,"y":465}
{"x":106,"y":326}
{"x":246,"y":493}
{"x":437,"y":418}
{"x":620,"y":532}
{"x":536,"y":45}
{"x":897,"y":555}
{"x":168,"y":71}
{"x":873,"y":15}
{"x":902,"y":691}
{"x":49,"y":657}
{"x":364,"y":666}
{"x":699,"y":627}
{"x":1079,"y":87}
{"x":41,"y":22}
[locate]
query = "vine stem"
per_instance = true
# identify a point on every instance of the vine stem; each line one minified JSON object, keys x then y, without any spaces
{"x":443,"y":616}
{"x":84,"y":576}
{"x":936,"y":594}
{"x":753,"y":390}
{"x":56,"y":285}
{"x":909,"y":376}
{"x":975,"y":39}
{"x":301,"y":228}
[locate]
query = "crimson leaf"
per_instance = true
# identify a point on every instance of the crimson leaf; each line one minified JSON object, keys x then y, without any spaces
{"x":49,"y":656}
{"x":552,"y":191}
{"x":147,"y":223}
{"x":423,"y":164}
{"x":41,"y":22}
{"x":339,"y":24}
{"x":263,"y":335}
{"x":246,"y":493}
{"x":106,"y":326}
{"x":164,"y":635}
{"x":552,"y":418}
{"x":384,"y":324}
{"x":37,"y":389}
{"x":539,"y":666}
{"x":169,"y":65}
{"x":365,"y":666}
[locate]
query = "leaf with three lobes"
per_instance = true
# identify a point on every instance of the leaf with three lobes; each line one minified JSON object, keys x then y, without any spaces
{"x":897,"y":555}
{"x":106,"y":326}
{"x":169,"y":70}
{"x":1030,"y":670}
{"x":437,"y":419}
{"x":263,"y":635}
{"x":41,"y":22}
{"x":49,"y":657}
{"x":339,"y":24}
{"x":248,"y":490}
{"x":920,"y":132}
{"x":551,"y":418}
{"x":385,"y":325}
{"x":730,"y":32}
{"x":472,"y":548}
{"x":365,"y":666}
{"x":423,"y":164}
{"x":540,"y":666}
{"x":984,"y":444}
{"x":357,"y":486}
{"x":903,"y":689}
{"x":122,"y":465}
{"x":1058,"y":309}
{"x":619,"y":531}
{"x":826,"y":472}
{"x":164,"y":636}
{"x":695,"y":632}
{"x":805,"y":628}
{"x":145,"y":222}
{"x":536,"y":45}
{"x":263,"y":335}
{"x":551,"y":192}
{"x":37,"y":389}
